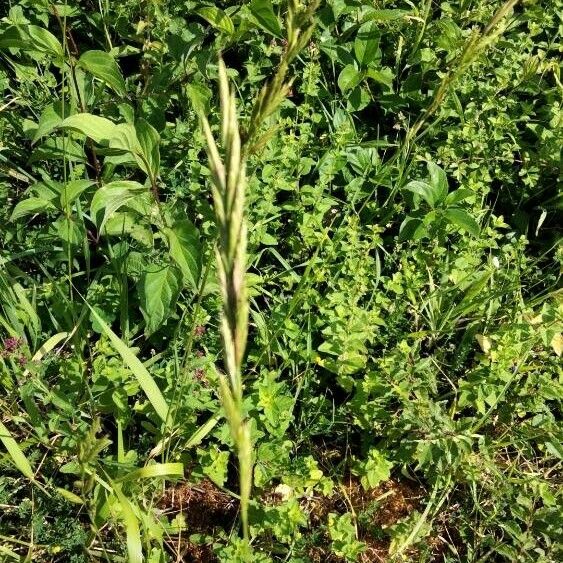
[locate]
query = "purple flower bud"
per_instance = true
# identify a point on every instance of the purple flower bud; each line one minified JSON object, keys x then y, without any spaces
{"x":12,"y":344}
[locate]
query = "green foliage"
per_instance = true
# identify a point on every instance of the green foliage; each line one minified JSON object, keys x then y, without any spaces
{"x":401,"y":385}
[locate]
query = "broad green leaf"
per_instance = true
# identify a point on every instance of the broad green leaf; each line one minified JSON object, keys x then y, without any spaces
{"x":31,"y":38}
{"x":383,"y":75}
{"x":111,"y":197}
{"x":103,"y":66}
{"x":185,"y":250}
{"x":18,"y":457}
{"x":412,"y":228}
{"x":439,"y":181}
{"x":263,"y":13}
{"x":460,"y":218}
{"x":199,"y":95}
{"x":159,"y":288}
{"x":99,"y":129}
{"x":52,"y":117}
{"x":140,"y":372}
{"x":142,"y":141}
{"x":217,"y":18}
{"x":458,"y":195}
{"x":31,"y":206}
{"x":149,"y":140}
{"x":71,"y":190}
{"x":427,"y":192}
{"x":366,"y":44}
{"x":43,"y":41}
{"x":386,"y":15}
{"x":349,"y":78}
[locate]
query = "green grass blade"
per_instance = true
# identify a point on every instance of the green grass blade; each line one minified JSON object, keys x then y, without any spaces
{"x":17,"y":455}
{"x":155,"y":470}
{"x":132,"y":531}
{"x":145,"y":379}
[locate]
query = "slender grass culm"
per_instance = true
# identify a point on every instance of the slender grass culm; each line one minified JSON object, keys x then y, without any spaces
{"x":228,"y":179}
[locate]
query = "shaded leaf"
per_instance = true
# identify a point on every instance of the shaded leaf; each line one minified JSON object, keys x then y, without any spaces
{"x":109,"y":198}
{"x":462,"y":219}
{"x":51,"y":118}
{"x":31,"y":206}
{"x":412,"y":228}
{"x":185,"y":250}
{"x":366,"y":44}
{"x":159,"y":288}
{"x":349,"y":78}
{"x":263,"y":12}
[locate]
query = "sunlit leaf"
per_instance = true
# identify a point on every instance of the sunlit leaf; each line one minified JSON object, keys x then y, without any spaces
{"x":103,"y":66}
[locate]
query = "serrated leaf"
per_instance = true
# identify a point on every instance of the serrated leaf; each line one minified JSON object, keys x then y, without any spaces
{"x":217,"y":18}
{"x":159,"y":288}
{"x":263,"y":13}
{"x":460,"y":218}
{"x":366,"y":44}
{"x":349,"y":78}
{"x":375,"y":470}
{"x":104,"y":67}
{"x":99,"y":129}
{"x":111,"y":197}
{"x":185,"y":250}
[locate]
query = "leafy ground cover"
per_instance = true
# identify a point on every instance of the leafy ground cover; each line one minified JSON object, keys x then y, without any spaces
{"x":300,"y":303}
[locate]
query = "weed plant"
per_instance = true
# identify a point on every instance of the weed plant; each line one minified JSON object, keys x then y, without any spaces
{"x":280,"y":281}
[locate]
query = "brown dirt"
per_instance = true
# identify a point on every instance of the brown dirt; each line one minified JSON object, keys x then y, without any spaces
{"x":387,"y":504}
{"x":205,"y":508}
